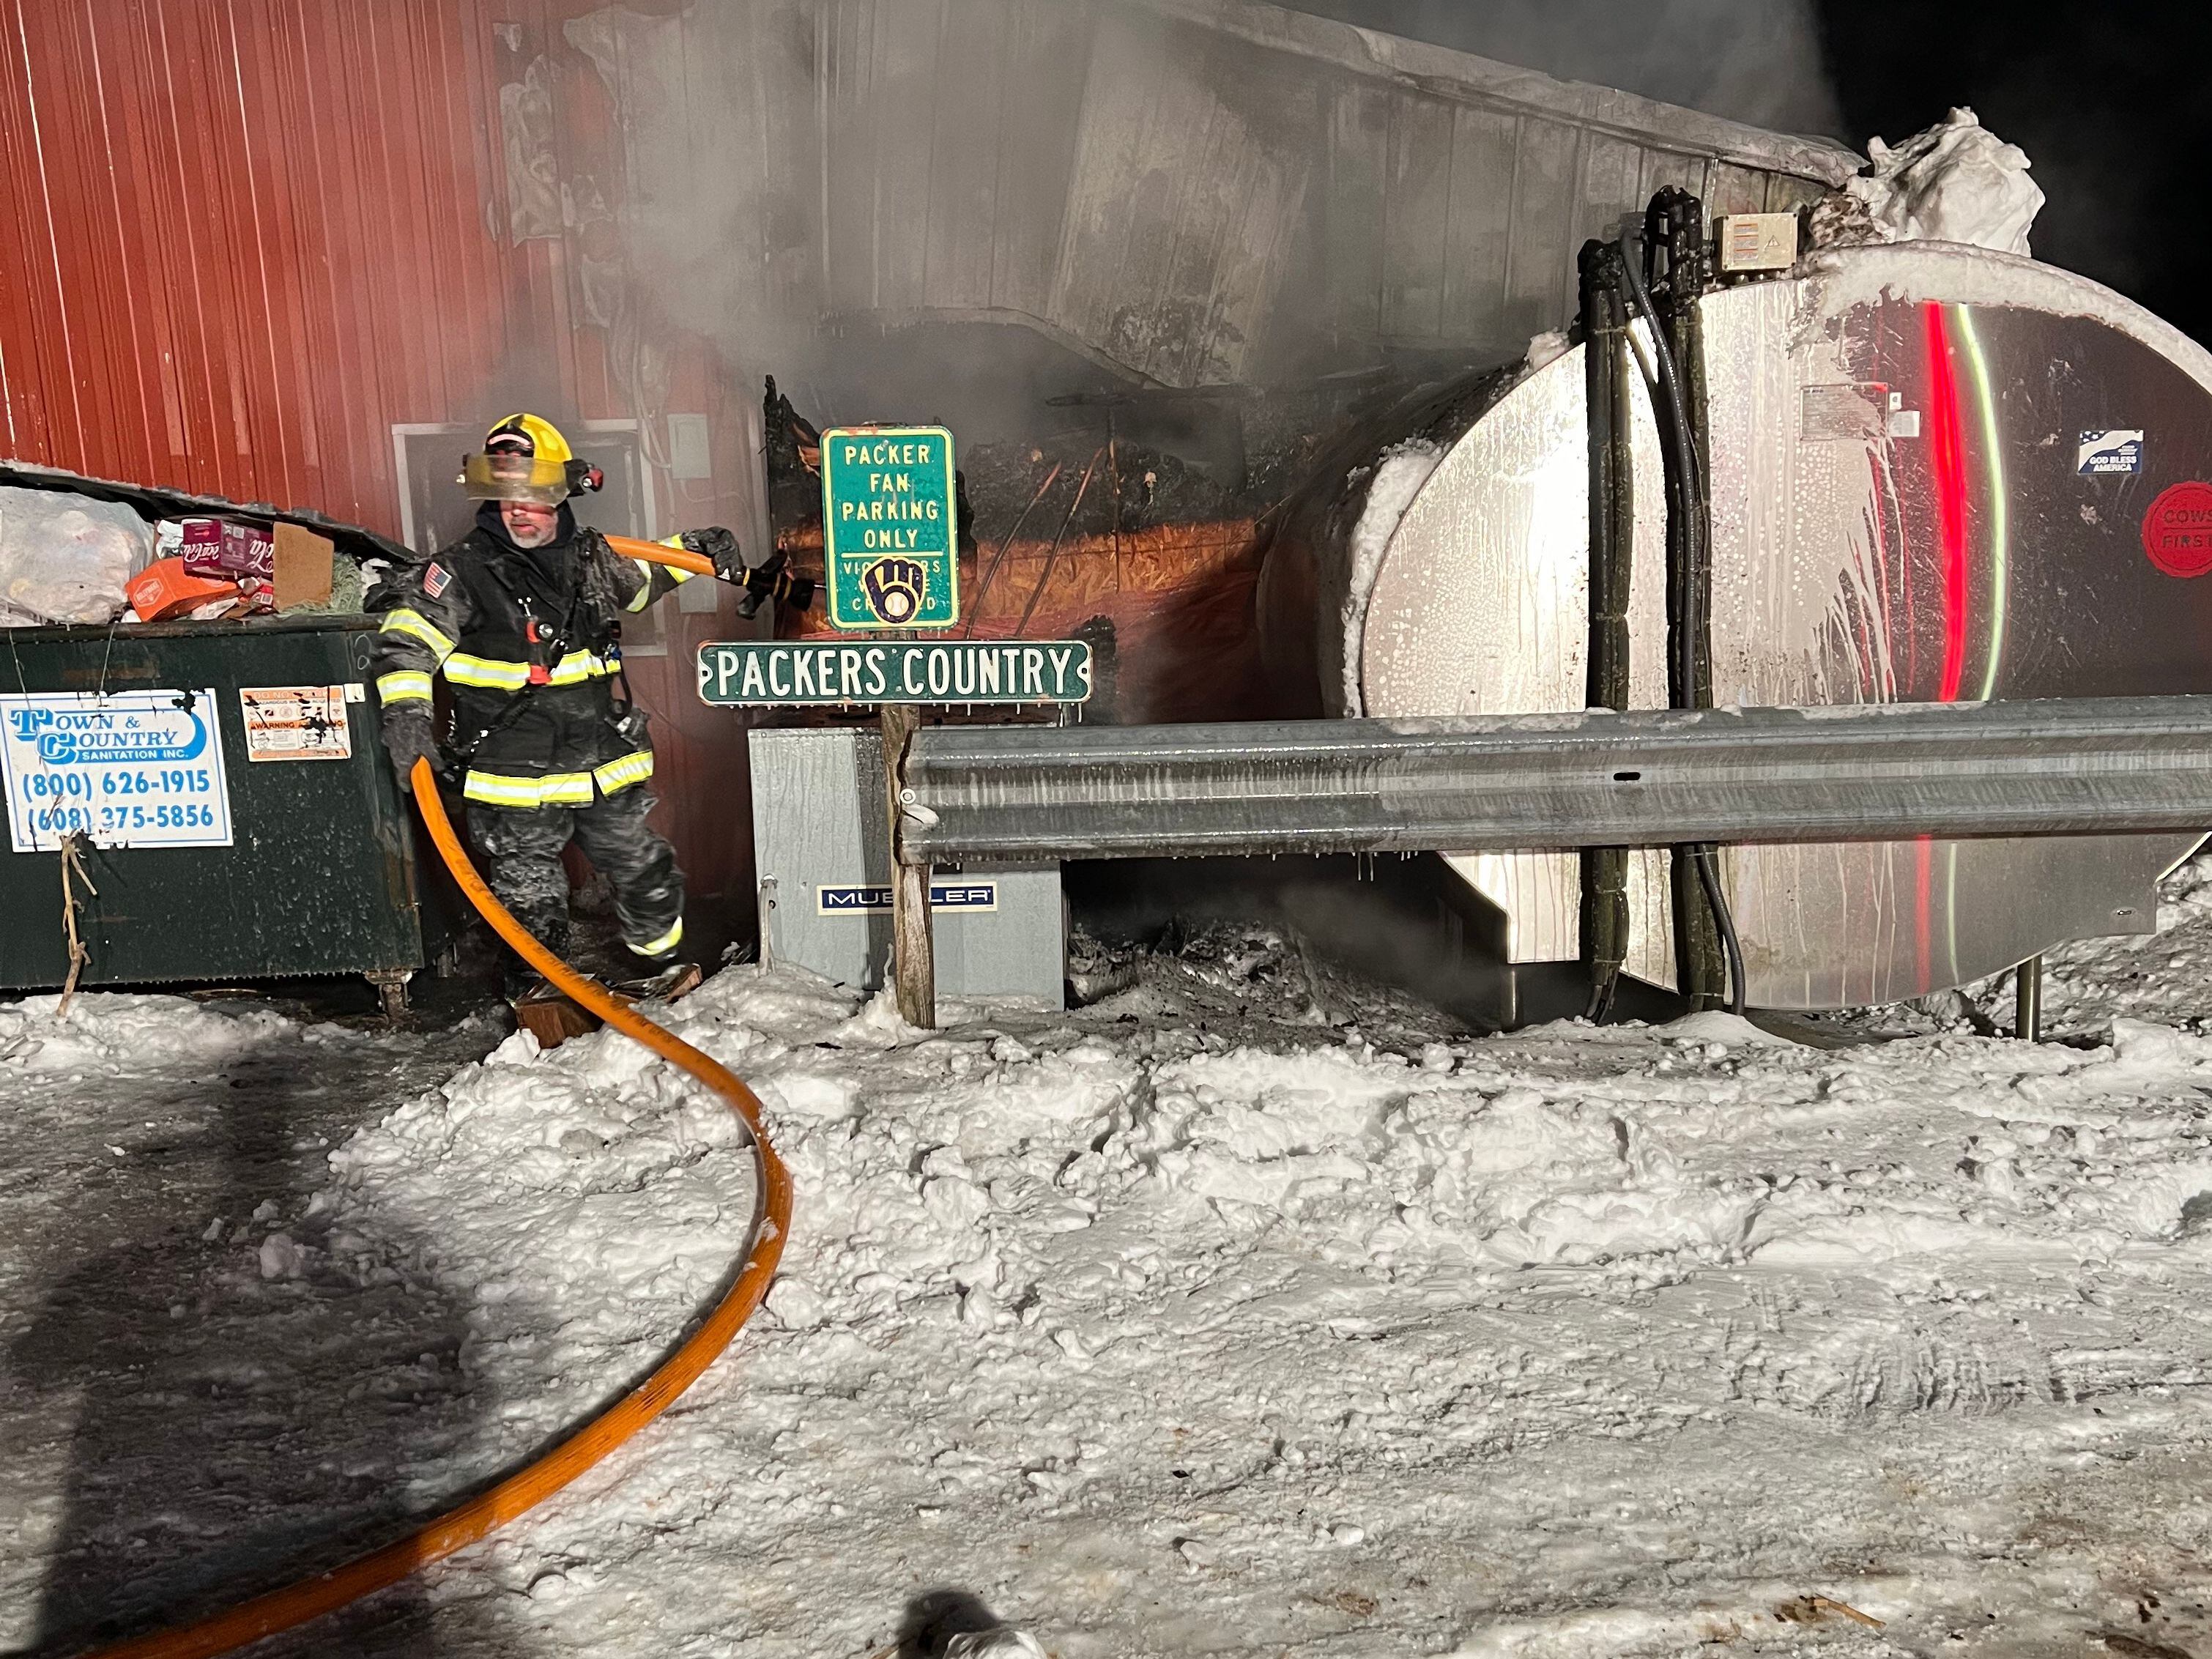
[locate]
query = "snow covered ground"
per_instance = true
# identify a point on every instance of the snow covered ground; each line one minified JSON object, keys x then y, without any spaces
{"x":1244,"y":1312}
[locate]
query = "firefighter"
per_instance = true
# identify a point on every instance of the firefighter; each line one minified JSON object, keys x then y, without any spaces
{"x":523,"y":618}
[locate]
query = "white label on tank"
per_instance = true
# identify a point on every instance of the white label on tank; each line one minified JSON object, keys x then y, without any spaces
{"x":1841,"y":410}
{"x":125,"y":768}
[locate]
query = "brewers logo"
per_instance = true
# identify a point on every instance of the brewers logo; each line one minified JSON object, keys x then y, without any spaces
{"x":895,"y":589}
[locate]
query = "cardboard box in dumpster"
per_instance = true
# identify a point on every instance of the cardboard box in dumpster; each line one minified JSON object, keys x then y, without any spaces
{"x":221,"y":550}
{"x":164,"y":588}
{"x":272,"y":569}
{"x":302,"y":572}
{"x":217,"y":547}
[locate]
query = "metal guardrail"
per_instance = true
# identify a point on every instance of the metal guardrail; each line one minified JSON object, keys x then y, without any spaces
{"x":1645,"y":778}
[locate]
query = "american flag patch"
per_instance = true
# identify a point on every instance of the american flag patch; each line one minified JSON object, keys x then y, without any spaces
{"x":436,"y":580}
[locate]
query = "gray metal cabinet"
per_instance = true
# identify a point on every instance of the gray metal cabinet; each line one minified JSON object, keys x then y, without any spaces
{"x":820,"y":837}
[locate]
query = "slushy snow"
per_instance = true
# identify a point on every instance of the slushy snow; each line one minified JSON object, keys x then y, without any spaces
{"x":1247,"y":1311}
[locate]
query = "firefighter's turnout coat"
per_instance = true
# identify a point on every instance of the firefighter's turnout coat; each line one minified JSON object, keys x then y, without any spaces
{"x":528,"y":640}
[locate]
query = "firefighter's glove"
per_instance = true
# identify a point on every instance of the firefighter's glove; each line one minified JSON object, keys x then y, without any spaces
{"x":409,"y":736}
{"x":772,"y":579}
{"x":719,"y":544}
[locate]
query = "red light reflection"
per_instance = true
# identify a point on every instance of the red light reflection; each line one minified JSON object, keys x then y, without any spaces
{"x":1947,"y":456}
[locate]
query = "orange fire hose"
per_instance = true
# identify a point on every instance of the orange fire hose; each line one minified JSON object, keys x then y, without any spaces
{"x":459,"y":1527}
{"x":680,"y":558}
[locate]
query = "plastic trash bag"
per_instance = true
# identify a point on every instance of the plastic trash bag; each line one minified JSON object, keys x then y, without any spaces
{"x":65,"y":557}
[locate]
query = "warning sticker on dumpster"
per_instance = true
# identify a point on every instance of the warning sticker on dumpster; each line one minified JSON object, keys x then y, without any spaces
{"x":294,"y":722}
{"x":125,"y":768}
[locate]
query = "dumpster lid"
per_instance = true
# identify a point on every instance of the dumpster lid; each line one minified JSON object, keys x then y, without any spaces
{"x":153,"y":501}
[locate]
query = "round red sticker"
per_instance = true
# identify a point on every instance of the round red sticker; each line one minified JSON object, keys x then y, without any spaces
{"x":2177,"y":532}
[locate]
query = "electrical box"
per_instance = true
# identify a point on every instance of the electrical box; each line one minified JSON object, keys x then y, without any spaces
{"x":1758,"y":242}
{"x":821,"y":843}
{"x":690,"y":456}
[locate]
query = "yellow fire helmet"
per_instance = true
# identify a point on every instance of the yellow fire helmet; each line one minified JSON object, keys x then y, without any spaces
{"x":526,"y":458}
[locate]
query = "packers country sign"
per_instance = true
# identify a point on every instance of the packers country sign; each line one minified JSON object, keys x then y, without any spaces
{"x":775,"y":673}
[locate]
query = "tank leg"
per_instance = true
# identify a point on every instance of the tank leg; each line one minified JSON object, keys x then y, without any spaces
{"x":392,"y":989}
{"x":2027,"y":1001}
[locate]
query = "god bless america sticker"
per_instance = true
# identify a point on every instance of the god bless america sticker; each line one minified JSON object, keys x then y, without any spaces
{"x":2120,"y":450}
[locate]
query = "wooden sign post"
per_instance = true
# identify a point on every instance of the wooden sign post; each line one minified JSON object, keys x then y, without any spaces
{"x":890,"y":560}
{"x":914,"y":957}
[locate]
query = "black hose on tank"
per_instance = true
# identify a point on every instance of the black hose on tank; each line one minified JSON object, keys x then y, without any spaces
{"x":1603,"y":325}
{"x":1684,"y":471}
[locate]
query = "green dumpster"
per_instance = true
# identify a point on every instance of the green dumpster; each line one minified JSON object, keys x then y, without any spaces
{"x":226,"y":798}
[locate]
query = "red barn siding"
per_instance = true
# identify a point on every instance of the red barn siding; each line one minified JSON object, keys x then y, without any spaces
{"x":250,"y":236}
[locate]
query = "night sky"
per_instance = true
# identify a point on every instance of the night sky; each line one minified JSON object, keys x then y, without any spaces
{"x":2111,"y":102}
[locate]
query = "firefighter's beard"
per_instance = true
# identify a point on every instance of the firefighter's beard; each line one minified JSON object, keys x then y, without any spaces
{"x":529,"y":525}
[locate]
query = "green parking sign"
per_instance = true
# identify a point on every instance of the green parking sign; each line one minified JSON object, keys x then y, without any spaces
{"x":890,"y":538}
